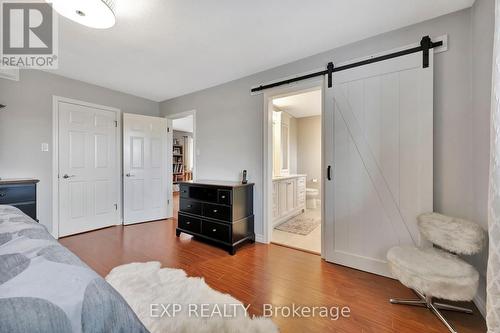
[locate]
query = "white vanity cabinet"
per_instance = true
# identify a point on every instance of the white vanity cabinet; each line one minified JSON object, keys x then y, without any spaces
{"x":289,"y":197}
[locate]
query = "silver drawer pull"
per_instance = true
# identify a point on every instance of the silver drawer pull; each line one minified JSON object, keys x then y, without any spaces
{"x":223,"y":197}
{"x":214,"y":230}
{"x":189,"y":206}
{"x":188,"y":222}
{"x":215,"y":210}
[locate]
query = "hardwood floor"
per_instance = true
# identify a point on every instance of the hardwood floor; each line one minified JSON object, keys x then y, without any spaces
{"x":260,"y":274}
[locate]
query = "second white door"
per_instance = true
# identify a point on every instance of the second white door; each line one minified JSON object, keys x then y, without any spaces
{"x":145,"y":168}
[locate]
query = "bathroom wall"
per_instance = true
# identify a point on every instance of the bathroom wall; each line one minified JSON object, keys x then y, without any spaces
{"x":309,"y":149}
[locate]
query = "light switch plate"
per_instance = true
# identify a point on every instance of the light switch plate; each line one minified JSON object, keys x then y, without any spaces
{"x":45,"y":146}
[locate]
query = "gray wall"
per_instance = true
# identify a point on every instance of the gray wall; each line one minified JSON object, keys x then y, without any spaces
{"x":230,"y":119}
{"x":309,"y":149}
{"x":26,"y":122}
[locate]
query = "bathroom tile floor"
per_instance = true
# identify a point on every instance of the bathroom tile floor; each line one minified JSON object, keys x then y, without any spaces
{"x":310,"y":242}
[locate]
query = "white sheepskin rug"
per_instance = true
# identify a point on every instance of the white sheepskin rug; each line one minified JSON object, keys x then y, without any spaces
{"x":144,"y":284}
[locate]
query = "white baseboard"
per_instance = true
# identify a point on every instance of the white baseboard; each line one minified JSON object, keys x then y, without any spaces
{"x":260,"y":239}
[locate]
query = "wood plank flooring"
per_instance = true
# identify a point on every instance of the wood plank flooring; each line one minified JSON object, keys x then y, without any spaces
{"x":260,"y":274}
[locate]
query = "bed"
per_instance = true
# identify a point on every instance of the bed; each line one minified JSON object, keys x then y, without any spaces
{"x":44,"y":287}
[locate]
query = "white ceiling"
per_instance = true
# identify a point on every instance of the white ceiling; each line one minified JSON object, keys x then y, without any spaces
{"x":161,"y":49}
{"x":183,"y":124}
{"x":301,"y":105}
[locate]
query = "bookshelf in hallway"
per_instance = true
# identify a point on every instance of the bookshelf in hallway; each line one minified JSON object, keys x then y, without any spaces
{"x":178,"y":162}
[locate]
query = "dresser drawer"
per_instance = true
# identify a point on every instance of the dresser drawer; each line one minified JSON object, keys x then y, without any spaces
{"x":218,"y":212}
{"x":17,"y":193}
{"x":224,"y":197}
{"x":301,"y":184}
{"x":301,"y":196}
{"x":216,"y":231}
{"x":198,"y":193}
{"x":191,"y":207}
{"x":189,"y":223}
{"x":184,"y":191}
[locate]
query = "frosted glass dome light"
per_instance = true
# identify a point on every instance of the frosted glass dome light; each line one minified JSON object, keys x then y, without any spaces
{"x":99,"y":14}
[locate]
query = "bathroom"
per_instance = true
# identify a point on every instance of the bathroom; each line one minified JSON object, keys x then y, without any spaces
{"x":296,"y":181}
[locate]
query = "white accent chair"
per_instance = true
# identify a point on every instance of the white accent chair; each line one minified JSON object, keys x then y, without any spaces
{"x":438,"y":272}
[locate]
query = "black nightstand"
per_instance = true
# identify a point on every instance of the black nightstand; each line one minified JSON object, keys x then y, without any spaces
{"x":20,"y":193}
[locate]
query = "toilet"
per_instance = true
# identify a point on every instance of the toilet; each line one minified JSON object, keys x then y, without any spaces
{"x":312,"y":197}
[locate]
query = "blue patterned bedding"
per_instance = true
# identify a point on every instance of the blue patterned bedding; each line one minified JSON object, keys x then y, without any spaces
{"x":46,"y":288}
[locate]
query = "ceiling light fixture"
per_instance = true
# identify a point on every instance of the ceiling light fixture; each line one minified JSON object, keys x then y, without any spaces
{"x":99,"y":14}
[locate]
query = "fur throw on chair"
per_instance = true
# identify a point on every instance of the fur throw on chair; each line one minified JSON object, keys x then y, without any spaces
{"x":434,"y":272}
{"x":456,"y":235}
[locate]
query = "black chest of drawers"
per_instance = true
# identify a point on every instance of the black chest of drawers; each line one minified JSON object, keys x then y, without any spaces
{"x":221,"y":212}
{"x":20,"y":193}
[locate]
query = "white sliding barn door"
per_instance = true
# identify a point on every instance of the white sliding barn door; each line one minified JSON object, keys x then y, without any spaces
{"x":380,"y":117}
{"x":88,"y":168}
{"x":145,"y":168}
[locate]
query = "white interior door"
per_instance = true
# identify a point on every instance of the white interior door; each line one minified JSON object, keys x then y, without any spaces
{"x":88,"y":168}
{"x":380,"y":117}
{"x":145,"y":181}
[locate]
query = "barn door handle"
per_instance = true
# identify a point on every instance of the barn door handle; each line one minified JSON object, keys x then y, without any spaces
{"x":329,"y":172}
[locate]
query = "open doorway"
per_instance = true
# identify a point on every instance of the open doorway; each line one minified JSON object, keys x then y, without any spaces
{"x":182,"y":145}
{"x":296,"y":169}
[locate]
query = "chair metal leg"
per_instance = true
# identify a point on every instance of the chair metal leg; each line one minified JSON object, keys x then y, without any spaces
{"x":440,"y":316}
{"x":422,"y":296}
{"x":413,"y":302}
{"x":449,"y":307}
{"x":426,"y":301}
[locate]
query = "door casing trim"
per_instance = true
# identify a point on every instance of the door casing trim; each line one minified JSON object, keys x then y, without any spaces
{"x":267,"y":157}
{"x":170,"y":118}
{"x":165,"y":173}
